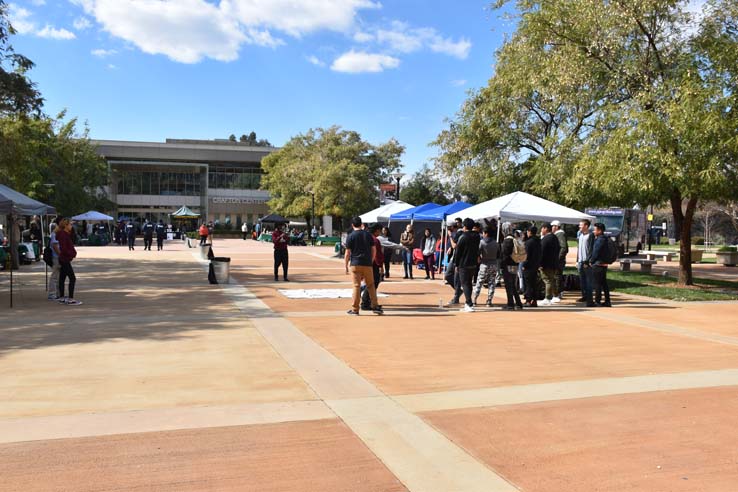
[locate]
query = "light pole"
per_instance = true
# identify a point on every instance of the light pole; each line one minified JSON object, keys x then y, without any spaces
{"x":398,"y":176}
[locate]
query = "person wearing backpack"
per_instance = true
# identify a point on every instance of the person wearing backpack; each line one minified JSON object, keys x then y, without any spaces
{"x":602,"y":255}
{"x":509,"y":262}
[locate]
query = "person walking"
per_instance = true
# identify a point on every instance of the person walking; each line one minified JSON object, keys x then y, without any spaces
{"x":428,"y":246}
{"x":377,"y":265}
{"x":244,"y":231}
{"x":549,"y":263}
{"x":67,"y":253}
{"x":510,"y":268}
{"x":257,"y":229}
{"x":281,"y":240}
{"x":53,"y":285}
{"x":360,"y":254}
{"x":131,"y":235}
{"x":148,"y":234}
{"x":204,"y":232}
{"x":161,"y":233}
{"x":585,"y":243}
{"x":407,"y":239}
{"x":599,"y":261}
{"x":489,"y":254}
{"x":563,"y":251}
{"x":466,"y":259}
{"x":531,"y":265}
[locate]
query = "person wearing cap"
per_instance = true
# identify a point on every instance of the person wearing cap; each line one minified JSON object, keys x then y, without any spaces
{"x":563,"y":251}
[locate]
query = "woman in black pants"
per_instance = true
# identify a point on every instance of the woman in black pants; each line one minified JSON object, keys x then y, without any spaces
{"x":388,"y":252}
{"x":67,"y":253}
{"x":510,"y":269}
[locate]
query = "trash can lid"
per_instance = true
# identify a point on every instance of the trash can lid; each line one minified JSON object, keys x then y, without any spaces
{"x":224,"y":259}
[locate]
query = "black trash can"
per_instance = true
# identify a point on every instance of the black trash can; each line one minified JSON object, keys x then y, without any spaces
{"x":222,"y":269}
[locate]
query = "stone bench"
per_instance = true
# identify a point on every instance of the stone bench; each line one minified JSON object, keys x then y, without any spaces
{"x":645,"y":264}
{"x":663,"y":255}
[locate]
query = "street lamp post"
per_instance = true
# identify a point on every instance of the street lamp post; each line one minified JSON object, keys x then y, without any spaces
{"x":398,"y":176}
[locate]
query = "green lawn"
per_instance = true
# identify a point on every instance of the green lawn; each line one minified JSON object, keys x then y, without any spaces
{"x":644,"y":284}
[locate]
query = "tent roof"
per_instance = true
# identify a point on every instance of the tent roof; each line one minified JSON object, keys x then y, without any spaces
{"x":91,"y":216}
{"x":185,"y":213}
{"x":523,"y":206}
{"x":384,"y":212}
{"x":410,"y":212}
{"x":274,"y":219}
{"x":439,"y":214}
{"x":13,"y":202}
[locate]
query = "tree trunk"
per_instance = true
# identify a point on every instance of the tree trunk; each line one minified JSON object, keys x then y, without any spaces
{"x":676,"y":209}
{"x":685,"y":244}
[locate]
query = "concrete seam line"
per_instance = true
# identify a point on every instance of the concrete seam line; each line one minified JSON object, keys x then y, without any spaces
{"x":422,"y":458}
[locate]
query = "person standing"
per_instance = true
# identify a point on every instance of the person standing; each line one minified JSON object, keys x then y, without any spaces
{"x":360,"y":255}
{"x":377,"y":265}
{"x":428,"y":246}
{"x":244,"y":230}
{"x":510,"y":268}
{"x":161,"y":233}
{"x":386,"y":237}
{"x":489,"y":254}
{"x":313,"y":235}
{"x":148,"y":234}
{"x":549,"y":263}
{"x":466,"y":259}
{"x":204,"y":232}
{"x":281,"y":240}
{"x":257,"y":228}
{"x":407,"y":239}
{"x":131,"y":235}
{"x":599,"y":261}
{"x":53,"y":286}
{"x":67,"y":253}
{"x":585,"y":243}
{"x":563,"y":251}
{"x":531,"y":265}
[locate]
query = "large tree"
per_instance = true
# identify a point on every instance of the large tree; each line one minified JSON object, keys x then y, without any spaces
{"x":17,"y":93}
{"x":608,"y":103}
{"x":337,"y":166}
{"x":426,"y":186}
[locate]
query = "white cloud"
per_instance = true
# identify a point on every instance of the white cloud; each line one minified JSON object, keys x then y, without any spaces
{"x":20,"y":19}
{"x":315,"y":61}
{"x":51,"y":32}
{"x":361,"y":62}
{"x":363,"y":37}
{"x":458,"y":82}
{"x":399,"y":37}
{"x":112,"y":67}
{"x":38,"y":3}
{"x":102,"y":53}
{"x":82,"y":23}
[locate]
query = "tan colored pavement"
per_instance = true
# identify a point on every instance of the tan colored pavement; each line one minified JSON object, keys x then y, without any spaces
{"x":137,"y":384}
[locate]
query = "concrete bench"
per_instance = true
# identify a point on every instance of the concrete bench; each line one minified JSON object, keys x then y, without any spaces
{"x":645,"y":264}
{"x":663,"y":255}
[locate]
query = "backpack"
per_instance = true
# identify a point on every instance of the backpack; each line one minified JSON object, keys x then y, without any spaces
{"x":519,"y":255}
{"x":611,"y":254}
{"x":48,"y":257}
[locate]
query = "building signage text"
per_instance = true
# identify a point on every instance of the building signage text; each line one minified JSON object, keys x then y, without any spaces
{"x":238,"y":200}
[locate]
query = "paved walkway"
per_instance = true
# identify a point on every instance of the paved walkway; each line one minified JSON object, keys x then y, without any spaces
{"x":161,"y":381}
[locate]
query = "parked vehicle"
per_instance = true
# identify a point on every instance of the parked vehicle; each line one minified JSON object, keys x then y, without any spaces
{"x":627,"y":225}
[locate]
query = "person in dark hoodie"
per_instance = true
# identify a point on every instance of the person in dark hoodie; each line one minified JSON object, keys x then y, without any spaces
{"x":161,"y":233}
{"x":531,"y":265}
{"x":598,"y":259}
{"x":131,"y":235}
{"x":466,"y":259}
{"x":148,"y":234}
{"x":549,"y":263}
{"x":509,"y":268}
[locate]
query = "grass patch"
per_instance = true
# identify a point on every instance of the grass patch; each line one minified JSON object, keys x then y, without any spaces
{"x":644,"y":284}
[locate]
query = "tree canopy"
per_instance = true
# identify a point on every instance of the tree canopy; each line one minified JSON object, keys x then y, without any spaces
{"x":341,"y":169}
{"x":426,"y":186}
{"x":253,"y":141}
{"x":606,"y":103}
{"x":17,"y":93}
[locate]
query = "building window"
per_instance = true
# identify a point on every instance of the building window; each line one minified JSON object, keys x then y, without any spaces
{"x":234,"y":178}
{"x":158,"y":183}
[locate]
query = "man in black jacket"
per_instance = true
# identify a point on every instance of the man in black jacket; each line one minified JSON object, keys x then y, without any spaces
{"x":509,"y":268}
{"x":599,"y":261}
{"x":549,"y":262}
{"x":531,"y":265}
{"x":466,"y":259}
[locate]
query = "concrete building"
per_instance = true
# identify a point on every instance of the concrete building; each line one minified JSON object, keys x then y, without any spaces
{"x":218,"y":179}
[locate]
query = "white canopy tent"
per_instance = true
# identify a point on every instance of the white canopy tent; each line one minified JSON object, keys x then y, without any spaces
{"x":523,"y":206}
{"x":383,"y":213}
{"x":92,"y":216}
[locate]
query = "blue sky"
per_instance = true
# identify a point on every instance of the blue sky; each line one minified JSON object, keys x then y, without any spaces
{"x":151,"y":69}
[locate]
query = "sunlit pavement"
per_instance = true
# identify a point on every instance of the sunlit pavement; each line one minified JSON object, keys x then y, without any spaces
{"x":160,"y":381}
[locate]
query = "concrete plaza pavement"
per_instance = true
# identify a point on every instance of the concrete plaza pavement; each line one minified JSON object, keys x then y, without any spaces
{"x":160,"y":381}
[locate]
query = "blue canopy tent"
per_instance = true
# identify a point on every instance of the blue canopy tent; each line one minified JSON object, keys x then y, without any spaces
{"x":409,"y":214}
{"x":439,"y":214}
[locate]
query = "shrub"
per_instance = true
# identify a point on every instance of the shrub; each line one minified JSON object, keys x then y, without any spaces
{"x":728,"y":249}
{"x":698,"y":241}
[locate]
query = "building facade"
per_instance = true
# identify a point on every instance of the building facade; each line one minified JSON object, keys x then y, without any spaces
{"x":218,"y":179}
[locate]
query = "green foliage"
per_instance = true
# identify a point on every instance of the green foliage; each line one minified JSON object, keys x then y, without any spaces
{"x":17,"y":93}
{"x":698,"y":240}
{"x":727,"y":249}
{"x":36,"y":152}
{"x":341,"y":169}
{"x":251,"y":140}
{"x":426,"y":186}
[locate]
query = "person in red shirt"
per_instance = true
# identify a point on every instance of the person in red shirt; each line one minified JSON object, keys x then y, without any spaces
{"x":67,"y":253}
{"x":203,"y":234}
{"x":280,"y":239}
